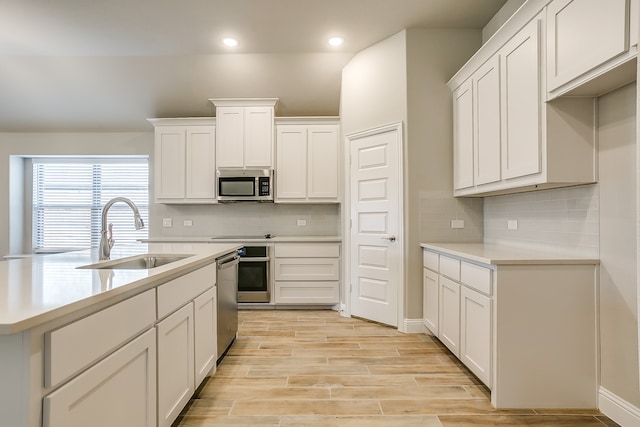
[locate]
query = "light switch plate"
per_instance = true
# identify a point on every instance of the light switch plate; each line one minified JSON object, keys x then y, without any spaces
{"x":187,"y":223}
{"x":167,"y":222}
{"x":512,"y":224}
{"x":457,"y":223}
{"x":302,"y":222}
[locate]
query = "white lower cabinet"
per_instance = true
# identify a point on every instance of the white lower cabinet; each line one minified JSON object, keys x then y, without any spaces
{"x":457,"y":308}
{"x":449,"y":314}
{"x":430,"y":300}
{"x":307,"y":273}
{"x":176,"y":372}
{"x":475,"y":333}
{"x":117,"y":391}
{"x":205,"y":327}
{"x":525,"y":327}
{"x":124,"y":376}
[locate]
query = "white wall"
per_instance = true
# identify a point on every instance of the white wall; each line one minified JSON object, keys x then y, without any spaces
{"x":403,"y":78}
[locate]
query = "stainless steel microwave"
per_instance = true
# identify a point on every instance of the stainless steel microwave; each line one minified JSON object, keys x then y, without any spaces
{"x":250,"y":185}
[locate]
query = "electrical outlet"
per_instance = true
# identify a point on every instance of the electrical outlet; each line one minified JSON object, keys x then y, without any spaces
{"x":512,"y":224}
{"x":187,"y":223}
{"x":167,"y":222}
{"x":457,"y":223}
{"x":302,"y":222}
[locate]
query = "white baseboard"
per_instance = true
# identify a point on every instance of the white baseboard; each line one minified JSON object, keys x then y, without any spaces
{"x":618,"y":409}
{"x":412,"y":326}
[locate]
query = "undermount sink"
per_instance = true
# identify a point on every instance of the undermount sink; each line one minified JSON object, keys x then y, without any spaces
{"x":140,"y":262}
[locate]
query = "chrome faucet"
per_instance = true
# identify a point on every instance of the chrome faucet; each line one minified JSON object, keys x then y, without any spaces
{"x":106,"y":239}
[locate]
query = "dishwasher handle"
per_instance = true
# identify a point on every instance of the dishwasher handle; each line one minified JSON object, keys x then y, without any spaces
{"x":228,"y":261}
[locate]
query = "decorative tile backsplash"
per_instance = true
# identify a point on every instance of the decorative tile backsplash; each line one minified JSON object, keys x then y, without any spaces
{"x":246,"y":219}
{"x":566,"y":219}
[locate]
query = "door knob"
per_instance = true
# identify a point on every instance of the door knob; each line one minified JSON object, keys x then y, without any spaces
{"x":390,"y":238}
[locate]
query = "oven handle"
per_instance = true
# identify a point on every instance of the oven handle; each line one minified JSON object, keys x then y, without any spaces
{"x":256,"y":259}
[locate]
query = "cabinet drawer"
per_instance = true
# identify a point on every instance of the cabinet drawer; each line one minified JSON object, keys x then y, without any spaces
{"x":307,"y":250}
{"x":450,"y":267}
{"x":307,"y":269}
{"x":476,"y":277}
{"x":118,"y":391}
{"x":430,"y":260}
{"x":74,"y":347}
{"x":176,"y":293}
{"x":306,"y":293}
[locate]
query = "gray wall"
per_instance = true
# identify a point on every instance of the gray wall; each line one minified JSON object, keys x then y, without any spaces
{"x":403,"y":79}
{"x":618,"y":254}
{"x":13,"y":216}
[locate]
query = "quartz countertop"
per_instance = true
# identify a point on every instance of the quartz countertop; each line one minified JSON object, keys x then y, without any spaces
{"x":42,"y":288}
{"x":494,"y":254}
{"x":275,"y":239}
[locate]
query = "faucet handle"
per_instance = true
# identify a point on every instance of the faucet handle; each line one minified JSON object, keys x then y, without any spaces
{"x":110,"y":240}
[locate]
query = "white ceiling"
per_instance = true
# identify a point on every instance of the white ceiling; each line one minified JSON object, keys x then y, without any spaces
{"x":108,"y":65}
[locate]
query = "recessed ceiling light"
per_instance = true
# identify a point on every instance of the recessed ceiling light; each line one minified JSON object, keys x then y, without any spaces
{"x":335,"y":41}
{"x":230,"y":42}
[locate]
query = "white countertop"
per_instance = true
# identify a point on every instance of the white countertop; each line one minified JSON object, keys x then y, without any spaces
{"x":500,"y":254}
{"x":42,"y":288}
{"x":275,"y":239}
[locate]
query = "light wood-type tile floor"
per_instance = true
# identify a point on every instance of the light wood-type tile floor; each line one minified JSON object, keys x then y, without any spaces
{"x":315,"y":368}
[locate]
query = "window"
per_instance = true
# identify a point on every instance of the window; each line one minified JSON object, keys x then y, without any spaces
{"x":69,"y":194}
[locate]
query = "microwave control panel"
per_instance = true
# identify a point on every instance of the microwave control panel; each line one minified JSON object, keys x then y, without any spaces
{"x":264,"y":186}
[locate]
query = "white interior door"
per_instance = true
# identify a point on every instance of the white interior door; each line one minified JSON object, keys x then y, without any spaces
{"x":376,"y":228}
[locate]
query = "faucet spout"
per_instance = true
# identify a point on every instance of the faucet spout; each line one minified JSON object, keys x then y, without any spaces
{"x":106,"y":234}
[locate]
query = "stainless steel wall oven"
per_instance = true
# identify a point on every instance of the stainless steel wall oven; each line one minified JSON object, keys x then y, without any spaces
{"x":254,"y":274}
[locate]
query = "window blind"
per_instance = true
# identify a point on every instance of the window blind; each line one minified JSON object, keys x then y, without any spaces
{"x":69,"y":194}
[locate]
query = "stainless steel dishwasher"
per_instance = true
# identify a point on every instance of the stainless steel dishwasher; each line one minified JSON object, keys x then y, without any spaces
{"x":227,"y":292}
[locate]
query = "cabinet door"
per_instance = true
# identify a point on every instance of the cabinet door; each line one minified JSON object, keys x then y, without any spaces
{"x":175,"y":364}
{"x":118,"y":391}
{"x":463,"y":136}
{"x":169,"y":162}
{"x":201,"y":162}
{"x":475,"y":333}
{"x":205,"y":334}
{"x":583,"y":34}
{"x":230,"y":137}
{"x":323,"y":163}
{"x":449,"y":316}
{"x":258,"y":136}
{"x":291,"y":172}
{"x":521,"y":103}
{"x":430,"y":300}
{"x":486,"y":86}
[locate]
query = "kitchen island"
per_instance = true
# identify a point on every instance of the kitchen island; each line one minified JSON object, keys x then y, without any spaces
{"x":85,"y":346}
{"x":522,"y":320}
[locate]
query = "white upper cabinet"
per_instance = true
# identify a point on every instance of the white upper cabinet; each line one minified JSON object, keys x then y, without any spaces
{"x":184,"y":160}
{"x":507,"y":139}
{"x":521,"y":103}
{"x":463,"y":138}
{"x":244,"y":132}
{"x":486,"y":89}
{"x":585,"y":38}
{"x":307,"y":160}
